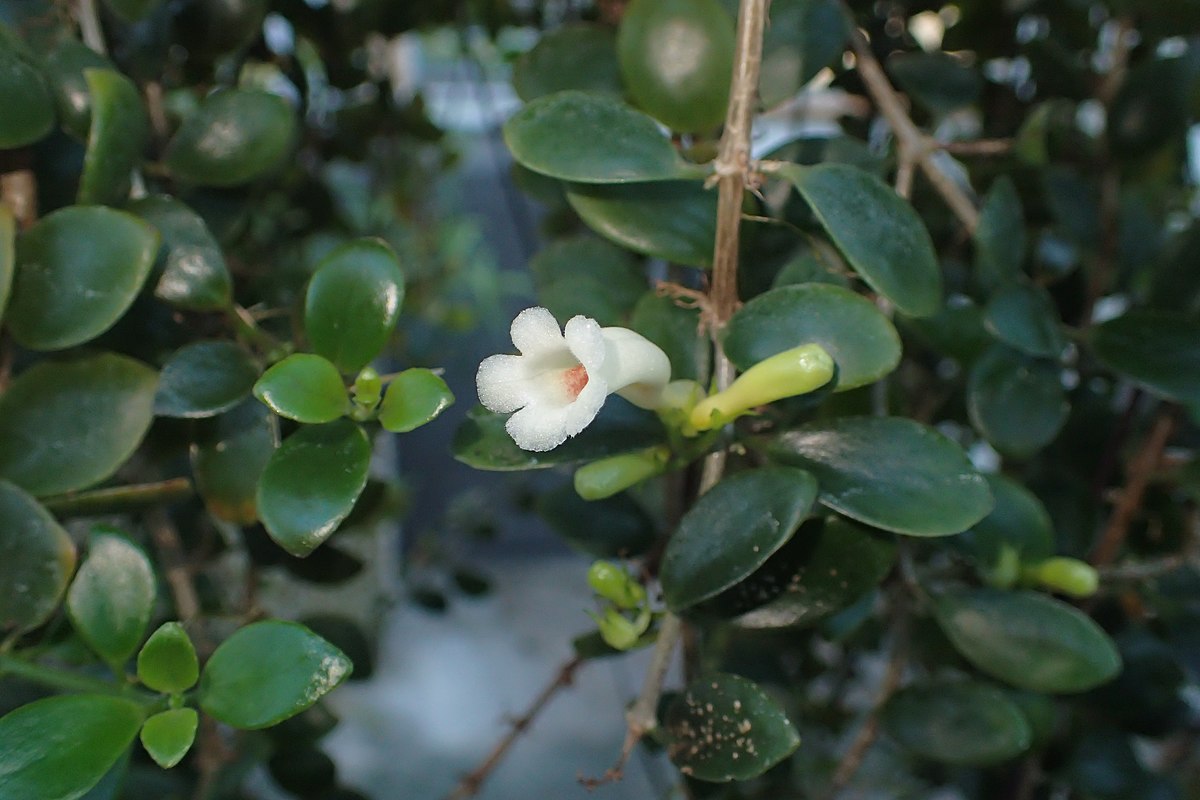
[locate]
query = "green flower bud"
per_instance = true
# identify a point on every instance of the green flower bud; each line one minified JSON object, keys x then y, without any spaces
{"x":606,"y":477}
{"x":616,"y":585}
{"x":368,"y":388}
{"x":1067,"y":575}
{"x":1006,"y":569}
{"x":620,"y":632}
{"x":793,"y":372}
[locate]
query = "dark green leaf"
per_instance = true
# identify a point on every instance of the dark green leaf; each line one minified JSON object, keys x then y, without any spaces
{"x":938,"y":81}
{"x":879,"y":233}
{"x":78,"y":270}
{"x":24,"y":96}
{"x":802,"y":38}
{"x":1000,"y":238}
{"x":724,"y":727}
{"x":168,"y":735}
{"x":112,"y":596}
{"x":415,"y":397}
{"x":1151,"y":108}
{"x":1018,"y":521}
{"x":960,"y":722}
{"x":117,"y":135}
{"x":615,"y":527}
{"x":956,"y":331}
{"x":1017,"y":402}
{"x":228,"y":458}
{"x":62,"y":746}
{"x":676,"y":330}
{"x":349,"y":637}
{"x":64,"y":69}
{"x":891,"y":473}
{"x":37,"y":558}
{"x":304,"y":387}
{"x":557,"y":136}
{"x":194,"y":275}
{"x":1154,"y":349}
{"x":204,"y":379}
{"x":234,"y":137}
{"x":732,"y":530}
{"x":1024,"y":317}
{"x":861,"y":340}
{"x":587,"y":276}
{"x":1028,"y":640}
{"x":67,"y":425}
{"x":167,"y":662}
{"x":577,"y":56}
{"x":311,"y":482}
{"x":267,"y":672}
{"x":132,"y":10}
{"x":671,"y":220}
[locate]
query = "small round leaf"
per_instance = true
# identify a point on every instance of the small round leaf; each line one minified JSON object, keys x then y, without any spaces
{"x":204,"y":379}
{"x":168,"y":735}
{"x":193,"y":271}
{"x":1154,"y":349}
{"x":414,"y":398}
{"x":236,"y":136}
{"x":24,"y":96}
{"x":1023,"y":316}
{"x":304,"y":387}
{"x":167,"y":661}
{"x":671,"y":220}
{"x":582,"y":57}
{"x":1017,"y":402}
{"x":1000,"y":238}
{"x":963,"y":722}
{"x":228,"y":458}
{"x":112,"y":596}
{"x":64,"y":67}
{"x":37,"y":558}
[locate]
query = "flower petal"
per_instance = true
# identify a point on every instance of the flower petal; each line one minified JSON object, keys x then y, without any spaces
{"x":541,"y":426}
{"x":535,"y":331}
{"x":503,"y":383}
{"x":586,"y":342}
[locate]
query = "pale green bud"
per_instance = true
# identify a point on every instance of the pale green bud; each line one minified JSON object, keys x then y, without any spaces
{"x":368,"y":388}
{"x":614,"y":584}
{"x":606,"y":477}
{"x":788,"y":374}
{"x":1067,"y":575}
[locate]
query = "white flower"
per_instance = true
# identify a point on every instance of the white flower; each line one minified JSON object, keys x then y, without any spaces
{"x":558,"y":383}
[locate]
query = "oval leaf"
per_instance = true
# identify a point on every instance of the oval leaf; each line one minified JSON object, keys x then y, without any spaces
{"x":236,"y":136}
{"x":193,"y":271}
{"x":1018,"y":403}
{"x":1154,"y":349}
{"x":353,"y":303}
{"x":676,"y":330}
{"x":582,"y":57}
{"x":556,"y":136}
{"x":167,"y":662}
{"x":311,"y":482}
{"x":78,"y":270}
{"x":268,"y":672}
{"x":28,"y":107}
{"x":37,"y":558}
{"x":67,"y":425}
{"x":588,"y":276}
{"x":116,"y":138}
{"x":65,"y":67}
{"x":1018,"y":521}
{"x":1000,"y":238}
{"x":1028,"y":640}
{"x":963,"y":722}
{"x":891,"y":473}
{"x":304,"y":387}
{"x":112,"y":596}
{"x":168,"y":735}
{"x":672,"y":220}
{"x":1023,"y":316}
{"x":228,"y":458}
{"x":880,"y":234}
{"x":414,"y":398}
{"x":204,"y":379}
{"x":862,"y":341}
{"x":615,"y":527}
{"x":724,"y":728}
{"x":732,"y":530}
{"x":61,"y":747}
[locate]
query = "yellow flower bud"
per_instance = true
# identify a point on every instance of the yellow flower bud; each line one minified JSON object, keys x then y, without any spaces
{"x":1067,"y":575}
{"x":793,"y":372}
{"x":606,"y":477}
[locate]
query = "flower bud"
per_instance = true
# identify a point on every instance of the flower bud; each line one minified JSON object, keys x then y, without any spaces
{"x":787,"y":374}
{"x":1067,"y":575}
{"x":618,"y":631}
{"x":615,"y":585}
{"x":606,"y":477}
{"x":368,"y":388}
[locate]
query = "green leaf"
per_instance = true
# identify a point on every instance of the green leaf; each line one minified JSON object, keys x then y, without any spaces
{"x":1000,"y":238}
{"x":37,"y":558}
{"x":672,"y":220}
{"x":204,"y":379}
{"x":676,"y":330}
{"x":132,"y":10}
{"x":112,"y":596}
{"x":891,"y":473}
{"x":1028,"y":640}
{"x":311,"y":482}
{"x":353,"y":303}
{"x":724,"y":728}
{"x":615,"y":527}
{"x":8,"y":255}
{"x":24,"y":96}
{"x":414,"y":398}
{"x":228,"y":457}
{"x":584,"y":275}
{"x":64,"y":67}
{"x":78,"y":270}
{"x":556,"y":135}
{"x":234,"y":137}
{"x":62,"y":746}
{"x":67,"y":425}
{"x":304,"y":387}
{"x":116,"y":138}
{"x":167,"y":662}
{"x":1017,"y":402}
{"x":579,"y":56}
{"x":168,"y":735}
{"x":268,"y":672}
{"x":481,"y":441}
{"x":1018,"y":521}
{"x":1023,"y":316}
{"x":957,"y":722}
{"x":1154,"y":349}
{"x":861,"y":340}
{"x":938,"y":81}
{"x":193,"y":274}
{"x":956,"y":331}
{"x":802,"y":38}
{"x":732,"y":530}
{"x":879,"y":233}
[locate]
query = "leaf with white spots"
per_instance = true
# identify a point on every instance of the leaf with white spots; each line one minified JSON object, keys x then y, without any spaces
{"x":725,"y":728}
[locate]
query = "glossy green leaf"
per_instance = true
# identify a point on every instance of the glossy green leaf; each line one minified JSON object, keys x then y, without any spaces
{"x":168,"y":735}
{"x":1017,"y":402}
{"x":167,"y":661}
{"x":482,"y":442}
{"x":64,"y":66}
{"x":802,"y":37}
{"x":676,"y":329}
{"x":588,"y":276}
{"x":938,"y":81}
{"x":208,"y":29}
{"x":204,"y":379}
{"x":304,"y":387}
{"x":37,"y":558}
{"x":879,"y":233}
{"x":62,"y":746}
{"x":1000,"y":238}
{"x":615,"y":527}
{"x":1154,"y":349}
{"x":78,"y":270}
{"x":724,"y":728}
{"x":24,"y":96}
{"x":556,"y":135}
{"x":311,"y":483}
{"x":1018,"y":521}
{"x":228,"y":457}
{"x":117,"y":135}
{"x":268,"y":672}
{"x":1028,"y":640}
{"x":580,"y":56}
{"x":192,"y":270}
{"x":732,"y":530}
{"x":956,"y":331}
{"x":414,"y":398}
{"x":891,"y":473}
{"x":353,"y":303}
{"x":676,"y":59}
{"x":234,"y":137}
{"x":112,"y":596}
{"x":1023,"y":316}
{"x":68,"y":425}
{"x":861,"y":340}
{"x":957,"y":722}
{"x":671,"y":220}
{"x":8,"y":255}
{"x":132,"y":10}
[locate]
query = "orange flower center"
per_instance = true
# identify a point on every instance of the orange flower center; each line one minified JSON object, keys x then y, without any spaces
{"x":574,"y":379}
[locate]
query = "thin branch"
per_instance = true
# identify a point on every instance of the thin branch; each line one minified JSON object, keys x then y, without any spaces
{"x":978,"y":147}
{"x":471,"y":783}
{"x":89,"y":25}
{"x":175,"y":568}
{"x":18,"y":185}
{"x":119,"y":499}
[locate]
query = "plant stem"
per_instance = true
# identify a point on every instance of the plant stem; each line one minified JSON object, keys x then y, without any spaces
{"x":89,"y":25}
{"x":56,"y":678}
{"x":118,"y":499}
